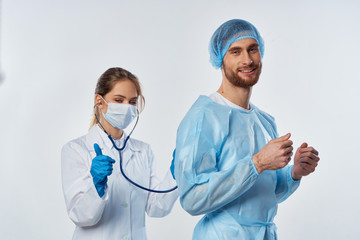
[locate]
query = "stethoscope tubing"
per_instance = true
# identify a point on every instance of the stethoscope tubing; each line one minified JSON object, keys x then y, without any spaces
{"x":126,"y":177}
{"x":120,"y":155}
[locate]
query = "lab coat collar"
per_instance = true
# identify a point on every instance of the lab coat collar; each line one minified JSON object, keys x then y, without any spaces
{"x":96,"y":133}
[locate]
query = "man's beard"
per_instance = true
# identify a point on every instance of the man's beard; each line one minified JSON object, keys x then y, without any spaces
{"x":238,"y":81}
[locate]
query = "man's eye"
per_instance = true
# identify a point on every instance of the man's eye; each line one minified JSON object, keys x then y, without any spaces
{"x":235,"y":52}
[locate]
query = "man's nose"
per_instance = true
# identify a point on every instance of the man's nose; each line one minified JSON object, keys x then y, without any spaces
{"x":246,"y":59}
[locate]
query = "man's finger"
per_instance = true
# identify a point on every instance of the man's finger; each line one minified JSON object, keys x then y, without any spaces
{"x":283,"y":138}
{"x":309,"y":149}
{"x":309,"y":159}
{"x":304,"y":145}
{"x":287,"y":143}
{"x":288,"y":150}
{"x":289,"y":154}
{"x":310,"y":155}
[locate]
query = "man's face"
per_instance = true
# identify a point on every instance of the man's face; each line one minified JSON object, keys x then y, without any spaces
{"x":242,"y":63}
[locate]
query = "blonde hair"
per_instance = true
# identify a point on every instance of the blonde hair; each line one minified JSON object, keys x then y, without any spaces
{"x":106,"y":83}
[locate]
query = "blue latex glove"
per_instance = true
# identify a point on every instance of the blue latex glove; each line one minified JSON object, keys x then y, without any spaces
{"x":172,"y":164}
{"x":101,"y":167}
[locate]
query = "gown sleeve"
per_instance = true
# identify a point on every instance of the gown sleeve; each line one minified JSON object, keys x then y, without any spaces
{"x":84,"y":206}
{"x":286,"y":185}
{"x":160,"y":204}
{"x":204,"y":186}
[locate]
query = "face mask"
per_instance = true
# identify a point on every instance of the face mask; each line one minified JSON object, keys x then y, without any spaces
{"x":120,"y":115}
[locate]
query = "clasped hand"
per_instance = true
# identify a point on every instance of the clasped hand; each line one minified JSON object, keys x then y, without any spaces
{"x":274,"y":155}
{"x":277,"y":153}
{"x":305,"y":161}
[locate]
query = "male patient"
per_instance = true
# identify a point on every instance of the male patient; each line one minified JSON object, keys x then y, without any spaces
{"x":230,"y":163}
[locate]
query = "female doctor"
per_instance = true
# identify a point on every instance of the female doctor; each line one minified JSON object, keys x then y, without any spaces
{"x":99,"y":200}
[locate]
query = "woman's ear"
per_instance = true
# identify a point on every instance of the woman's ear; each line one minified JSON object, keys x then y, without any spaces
{"x":98,"y":101}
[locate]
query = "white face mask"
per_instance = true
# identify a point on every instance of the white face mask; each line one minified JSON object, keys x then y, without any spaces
{"x":120,"y":115}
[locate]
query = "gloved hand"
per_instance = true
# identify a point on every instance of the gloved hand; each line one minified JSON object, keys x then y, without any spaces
{"x":172,"y":164}
{"x":101,"y":167}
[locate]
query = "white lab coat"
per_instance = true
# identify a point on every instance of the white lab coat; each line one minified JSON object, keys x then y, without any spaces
{"x":120,"y":213}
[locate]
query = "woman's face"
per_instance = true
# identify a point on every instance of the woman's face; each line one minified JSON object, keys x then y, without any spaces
{"x":122,"y":92}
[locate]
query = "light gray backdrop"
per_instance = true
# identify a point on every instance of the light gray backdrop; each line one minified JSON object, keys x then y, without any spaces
{"x":54,"y":51}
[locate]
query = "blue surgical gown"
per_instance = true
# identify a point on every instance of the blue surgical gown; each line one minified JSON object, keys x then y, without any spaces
{"x":217,"y":177}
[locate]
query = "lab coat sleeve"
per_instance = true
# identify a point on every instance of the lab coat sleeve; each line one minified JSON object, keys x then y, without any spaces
{"x":286,"y":185}
{"x":84,"y":206}
{"x":203,"y":186}
{"x":160,"y":204}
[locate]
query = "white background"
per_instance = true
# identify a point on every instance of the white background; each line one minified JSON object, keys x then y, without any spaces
{"x":54,"y":51}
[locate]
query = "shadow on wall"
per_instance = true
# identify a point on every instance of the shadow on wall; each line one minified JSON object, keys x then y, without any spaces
{"x":2,"y":77}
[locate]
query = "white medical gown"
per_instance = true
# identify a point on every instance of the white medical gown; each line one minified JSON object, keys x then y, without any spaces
{"x":216,"y":175}
{"x":120,"y":213}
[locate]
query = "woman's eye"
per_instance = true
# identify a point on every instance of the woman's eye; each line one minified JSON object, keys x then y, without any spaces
{"x":133,"y":102}
{"x":119,"y":100}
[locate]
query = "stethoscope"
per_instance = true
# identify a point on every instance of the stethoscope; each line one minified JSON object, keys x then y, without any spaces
{"x":121,"y":168}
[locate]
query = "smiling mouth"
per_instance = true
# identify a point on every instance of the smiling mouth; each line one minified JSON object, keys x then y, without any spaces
{"x":247,"y":70}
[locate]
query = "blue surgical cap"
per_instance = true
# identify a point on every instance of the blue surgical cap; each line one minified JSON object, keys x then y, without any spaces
{"x":228,"y":33}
